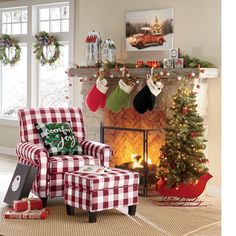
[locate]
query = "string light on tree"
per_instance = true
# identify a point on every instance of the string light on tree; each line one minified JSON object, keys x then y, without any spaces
{"x":183,"y":157}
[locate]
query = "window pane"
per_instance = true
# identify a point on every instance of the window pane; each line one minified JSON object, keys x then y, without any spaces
{"x":44,"y":26}
{"x":54,"y":82}
{"x":65,"y":12}
{"x":16,"y":28}
{"x":16,"y":16}
{"x":24,"y":28}
{"x":65,"y":25}
{"x":14,"y":86}
{"x":6,"y":28}
{"x":6,"y":17}
{"x":24,"y":15}
{"x":55,"y":26}
{"x":55,"y":13}
{"x":44,"y":14}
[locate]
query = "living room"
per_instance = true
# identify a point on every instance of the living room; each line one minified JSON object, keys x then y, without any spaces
{"x":66,"y":80}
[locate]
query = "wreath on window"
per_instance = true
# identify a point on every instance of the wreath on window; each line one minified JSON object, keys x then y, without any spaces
{"x":9,"y":50}
{"x":47,"y":48}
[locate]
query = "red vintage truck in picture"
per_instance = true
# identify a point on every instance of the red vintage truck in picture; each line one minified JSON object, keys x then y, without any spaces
{"x":147,"y":38}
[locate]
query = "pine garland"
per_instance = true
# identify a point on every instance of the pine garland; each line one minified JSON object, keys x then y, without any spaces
{"x":6,"y":42}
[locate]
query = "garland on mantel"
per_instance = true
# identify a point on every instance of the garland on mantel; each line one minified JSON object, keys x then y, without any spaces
{"x":188,"y":63}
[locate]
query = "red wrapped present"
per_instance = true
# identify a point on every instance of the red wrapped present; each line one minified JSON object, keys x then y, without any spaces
{"x":28,"y":214}
{"x":27,"y":204}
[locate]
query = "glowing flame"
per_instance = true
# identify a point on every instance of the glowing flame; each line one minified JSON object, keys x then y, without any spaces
{"x":149,"y":161}
{"x":136,"y":163}
{"x":133,"y":155}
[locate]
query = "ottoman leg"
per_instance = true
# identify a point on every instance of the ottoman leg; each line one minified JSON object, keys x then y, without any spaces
{"x":92,"y":217}
{"x":132,"y":210}
{"x":70,"y":210}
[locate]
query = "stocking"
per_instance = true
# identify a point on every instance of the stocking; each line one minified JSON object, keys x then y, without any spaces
{"x":97,"y":95}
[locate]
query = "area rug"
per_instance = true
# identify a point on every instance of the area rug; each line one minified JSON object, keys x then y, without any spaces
{"x":149,"y":220}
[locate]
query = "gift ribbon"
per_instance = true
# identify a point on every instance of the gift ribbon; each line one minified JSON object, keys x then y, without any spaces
{"x":28,"y":202}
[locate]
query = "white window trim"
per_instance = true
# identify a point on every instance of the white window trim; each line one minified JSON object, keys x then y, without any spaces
{"x":32,"y":85}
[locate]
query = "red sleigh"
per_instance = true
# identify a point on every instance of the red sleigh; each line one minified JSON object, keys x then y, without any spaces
{"x":183,"y":195}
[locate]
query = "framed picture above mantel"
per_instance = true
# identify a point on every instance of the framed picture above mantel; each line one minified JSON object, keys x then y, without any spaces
{"x":149,"y":30}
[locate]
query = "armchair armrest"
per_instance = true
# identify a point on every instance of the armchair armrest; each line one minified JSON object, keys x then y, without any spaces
{"x":32,"y":154}
{"x":99,"y":150}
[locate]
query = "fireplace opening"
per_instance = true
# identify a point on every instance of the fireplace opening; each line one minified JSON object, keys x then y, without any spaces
{"x":137,"y":150}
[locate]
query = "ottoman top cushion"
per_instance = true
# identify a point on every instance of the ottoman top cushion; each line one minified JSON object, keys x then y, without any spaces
{"x":114,"y":178}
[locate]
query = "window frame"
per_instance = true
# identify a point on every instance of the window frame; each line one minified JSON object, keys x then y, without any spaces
{"x":32,"y":29}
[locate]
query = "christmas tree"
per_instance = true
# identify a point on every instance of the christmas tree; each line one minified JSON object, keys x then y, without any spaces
{"x":182,"y":159}
{"x":156,"y":27}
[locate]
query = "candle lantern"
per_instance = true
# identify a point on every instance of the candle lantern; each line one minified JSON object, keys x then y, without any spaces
{"x":108,"y":51}
{"x":93,"y":48}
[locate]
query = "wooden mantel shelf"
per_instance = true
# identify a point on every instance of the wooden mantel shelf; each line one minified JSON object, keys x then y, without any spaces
{"x":209,"y":73}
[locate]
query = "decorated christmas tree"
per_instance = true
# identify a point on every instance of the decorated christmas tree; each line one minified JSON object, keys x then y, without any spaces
{"x":182,"y":158}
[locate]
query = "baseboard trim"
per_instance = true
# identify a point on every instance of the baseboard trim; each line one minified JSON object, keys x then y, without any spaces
{"x":8,"y":151}
{"x":213,"y":191}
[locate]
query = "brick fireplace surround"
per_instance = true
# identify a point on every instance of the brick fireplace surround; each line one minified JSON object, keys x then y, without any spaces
{"x":126,"y":143}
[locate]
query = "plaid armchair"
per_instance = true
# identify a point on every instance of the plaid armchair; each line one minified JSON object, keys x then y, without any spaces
{"x":50,"y":178}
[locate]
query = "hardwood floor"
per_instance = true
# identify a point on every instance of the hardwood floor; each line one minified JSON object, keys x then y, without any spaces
{"x":7,"y":168}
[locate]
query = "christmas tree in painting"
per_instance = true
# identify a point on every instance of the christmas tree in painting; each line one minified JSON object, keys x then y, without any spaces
{"x":182,"y":158}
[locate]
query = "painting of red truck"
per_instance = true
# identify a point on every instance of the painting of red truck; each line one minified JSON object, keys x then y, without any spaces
{"x":149,"y":30}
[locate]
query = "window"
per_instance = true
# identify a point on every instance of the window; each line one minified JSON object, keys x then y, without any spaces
{"x":28,"y":83}
{"x":53,"y":87}
{"x":14,"y":86}
{"x":14,"y":21}
{"x":54,"y":19}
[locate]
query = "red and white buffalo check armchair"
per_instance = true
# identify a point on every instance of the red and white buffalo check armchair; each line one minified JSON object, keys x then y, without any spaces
{"x":50,"y":178}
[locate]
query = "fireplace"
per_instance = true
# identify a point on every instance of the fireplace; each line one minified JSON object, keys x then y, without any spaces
{"x":135,"y":156}
{"x":127,"y":127}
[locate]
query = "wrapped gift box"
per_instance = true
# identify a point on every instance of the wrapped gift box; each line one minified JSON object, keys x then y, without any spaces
{"x":21,"y":183}
{"x":27,"y":204}
{"x":28,"y":214}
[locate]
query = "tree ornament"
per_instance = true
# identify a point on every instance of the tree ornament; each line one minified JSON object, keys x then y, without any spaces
{"x":194,"y":134}
{"x":47,"y":48}
{"x":185,"y":110}
{"x":9,"y":50}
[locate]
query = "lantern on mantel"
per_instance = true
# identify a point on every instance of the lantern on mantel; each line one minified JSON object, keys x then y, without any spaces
{"x":108,"y":51}
{"x":93,"y":48}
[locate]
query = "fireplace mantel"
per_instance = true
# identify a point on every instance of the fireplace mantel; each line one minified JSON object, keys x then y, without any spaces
{"x":209,"y":73}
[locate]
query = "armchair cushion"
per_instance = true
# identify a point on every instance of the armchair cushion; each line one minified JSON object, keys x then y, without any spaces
{"x":59,"y":138}
{"x":70,"y":163}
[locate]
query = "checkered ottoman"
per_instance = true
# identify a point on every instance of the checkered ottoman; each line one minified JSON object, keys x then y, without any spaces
{"x":97,"y":192}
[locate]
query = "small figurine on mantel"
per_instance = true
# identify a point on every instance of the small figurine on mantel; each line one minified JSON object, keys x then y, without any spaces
{"x":108,"y":51}
{"x":93,"y":48}
{"x":174,"y":61}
